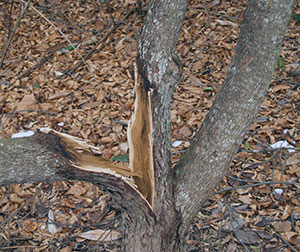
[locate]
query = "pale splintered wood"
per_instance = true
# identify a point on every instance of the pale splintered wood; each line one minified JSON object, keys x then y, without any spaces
{"x":140,"y":170}
{"x":140,"y":141}
{"x":85,"y":156}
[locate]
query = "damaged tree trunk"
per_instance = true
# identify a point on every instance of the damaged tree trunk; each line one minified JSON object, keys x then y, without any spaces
{"x":158,"y":203}
{"x":180,"y":192}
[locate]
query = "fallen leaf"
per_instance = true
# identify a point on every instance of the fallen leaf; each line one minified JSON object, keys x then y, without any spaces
{"x":59,"y":95}
{"x":292,"y":160}
{"x":102,"y":235}
{"x":28,"y":102}
{"x":248,"y":237}
{"x":283,"y":226}
{"x":29,"y":225}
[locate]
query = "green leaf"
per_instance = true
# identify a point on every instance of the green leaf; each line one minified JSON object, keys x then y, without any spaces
{"x":70,"y":47}
{"x":94,"y":32}
{"x":296,"y":16}
{"x":208,"y":89}
{"x":121,"y":158}
{"x":280,"y":62}
{"x":35,"y":85}
{"x":247,"y":145}
{"x":60,"y":14}
{"x":255,"y":248}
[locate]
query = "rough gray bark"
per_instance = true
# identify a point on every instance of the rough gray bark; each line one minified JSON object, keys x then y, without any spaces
{"x":209,"y":156}
{"x":179,"y":192}
{"x":29,"y":160}
{"x":160,"y":70}
{"x":211,"y":151}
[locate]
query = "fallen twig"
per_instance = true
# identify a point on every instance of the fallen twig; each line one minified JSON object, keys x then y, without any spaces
{"x":257,"y":183}
{"x":13,"y":33}
{"x":41,"y":62}
{"x":286,"y":242}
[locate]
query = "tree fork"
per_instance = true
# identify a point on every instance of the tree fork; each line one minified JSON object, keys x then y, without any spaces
{"x":160,"y":222}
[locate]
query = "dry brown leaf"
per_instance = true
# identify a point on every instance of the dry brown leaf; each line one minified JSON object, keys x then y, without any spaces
{"x":59,"y":95}
{"x":101,"y":235}
{"x":29,"y":225}
{"x":293,"y":160}
{"x":280,"y":87}
{"x":245,"y":199}
{"x":185,"y":131}
{"x":282,"y":226}
{"x":28,"y":102}
{"x":92,"y":105}
{"x":15,"y":199}
{"x":76,"y":190}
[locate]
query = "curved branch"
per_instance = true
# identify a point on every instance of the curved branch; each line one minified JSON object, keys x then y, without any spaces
{"x":46,"y":158}
{"x":214,"y":146}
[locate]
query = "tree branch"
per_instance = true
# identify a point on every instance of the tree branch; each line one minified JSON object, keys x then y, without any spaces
{"x":49,"y":158}
{"x":211,"y":151}
{"x":29,"y":160}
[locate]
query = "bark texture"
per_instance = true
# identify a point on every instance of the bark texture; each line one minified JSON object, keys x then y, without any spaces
{"x":160,"y":70}
{"x":29,"y":160}
{"x":179,"y":192}
{"x":209,"y":156}
{"x":42,"y":158}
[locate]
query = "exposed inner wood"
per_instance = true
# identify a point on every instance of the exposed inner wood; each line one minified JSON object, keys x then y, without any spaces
{"x":140,"y":141}
{"x":85,"y":156}
{"x":140,"y":170}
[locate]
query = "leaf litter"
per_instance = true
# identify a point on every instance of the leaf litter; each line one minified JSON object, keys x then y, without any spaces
{"x":95,"y":105}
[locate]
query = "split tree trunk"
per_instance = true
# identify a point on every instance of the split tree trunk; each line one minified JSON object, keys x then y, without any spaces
{"x":179,"y":192}
{"x":206,"y":161}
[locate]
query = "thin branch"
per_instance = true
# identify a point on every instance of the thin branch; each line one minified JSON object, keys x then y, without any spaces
{"x":13,"y":33}
{"x":46,"y":58}
{"x":286,"y":242}
{"x":83,"y":59}
{"x":276,"y":152}
{"x":258,"y":184}
{"x":95,"y":49}
{"x":10,"y":18}
{"x":234,"y":229}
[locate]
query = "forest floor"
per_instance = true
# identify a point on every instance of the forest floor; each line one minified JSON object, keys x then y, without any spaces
{"x":45,"y":83}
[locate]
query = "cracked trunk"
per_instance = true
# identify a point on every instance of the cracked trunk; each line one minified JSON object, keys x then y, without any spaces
{"x":176,"y":194}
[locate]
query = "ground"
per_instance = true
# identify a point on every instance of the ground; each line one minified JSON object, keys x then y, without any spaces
{"x":45,"y":82}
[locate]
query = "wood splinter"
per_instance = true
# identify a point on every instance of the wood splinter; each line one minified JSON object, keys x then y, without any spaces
{"x":139,"y":174}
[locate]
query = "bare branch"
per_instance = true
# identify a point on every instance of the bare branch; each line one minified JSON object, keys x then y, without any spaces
{"x":13,"y":32}
{"x":206,"y":161}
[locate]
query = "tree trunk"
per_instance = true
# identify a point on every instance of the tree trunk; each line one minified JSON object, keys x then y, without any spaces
{"x":212,"y":150}
{"x":214,"y":146}
{"x":180,"y":192}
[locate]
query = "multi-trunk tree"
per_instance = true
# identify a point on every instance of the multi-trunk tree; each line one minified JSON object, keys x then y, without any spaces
{"x":158,"y":202}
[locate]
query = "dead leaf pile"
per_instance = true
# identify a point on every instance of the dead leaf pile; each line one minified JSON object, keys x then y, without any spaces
{"x":44,"y":82}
